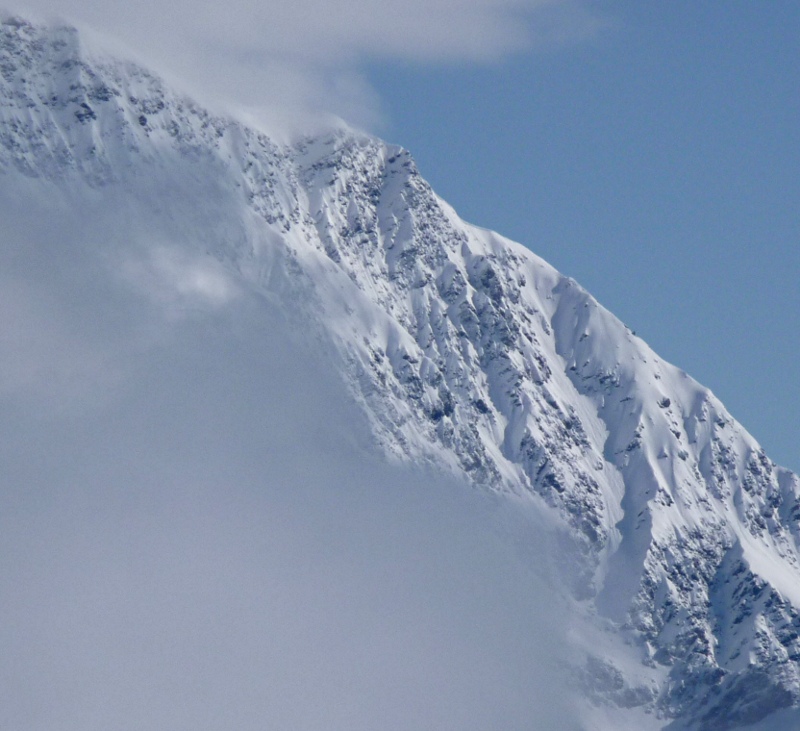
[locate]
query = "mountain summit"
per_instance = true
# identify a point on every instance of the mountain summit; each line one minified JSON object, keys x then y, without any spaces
{"x":467,"y":353}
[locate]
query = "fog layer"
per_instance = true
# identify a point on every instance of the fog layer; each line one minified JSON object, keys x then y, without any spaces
{"x":195,"y":531}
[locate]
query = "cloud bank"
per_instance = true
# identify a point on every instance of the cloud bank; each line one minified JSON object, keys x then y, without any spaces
{"x":195,"y":533}
{"x":293,"y":61}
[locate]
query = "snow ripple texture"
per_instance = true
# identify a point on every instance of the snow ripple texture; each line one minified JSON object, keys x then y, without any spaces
{"x":471,"y":354}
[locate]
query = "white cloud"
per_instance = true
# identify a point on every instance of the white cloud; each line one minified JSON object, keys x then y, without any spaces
{"x":42,"y":348}
{"x":306,"y":54}
{"x":207,"y":543}
{"x":178,"y":281}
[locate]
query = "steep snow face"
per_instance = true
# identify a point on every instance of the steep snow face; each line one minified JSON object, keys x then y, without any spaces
{"x":466,"y":352}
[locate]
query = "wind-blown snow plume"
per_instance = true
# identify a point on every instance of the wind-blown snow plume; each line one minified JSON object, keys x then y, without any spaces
{"x":294,"y":63}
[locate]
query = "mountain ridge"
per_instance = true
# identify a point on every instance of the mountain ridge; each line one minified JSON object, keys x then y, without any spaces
{"x":469,"y":353}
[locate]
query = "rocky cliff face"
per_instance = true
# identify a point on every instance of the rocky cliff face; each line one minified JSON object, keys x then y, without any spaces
{"x":471,"y":354}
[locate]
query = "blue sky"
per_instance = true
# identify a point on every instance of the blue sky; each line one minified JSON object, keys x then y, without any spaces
{"x":651,"y":150}
{"x":658,"y":163}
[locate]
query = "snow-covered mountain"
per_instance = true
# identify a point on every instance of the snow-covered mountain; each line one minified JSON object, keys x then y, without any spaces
{"x":468,"y":354}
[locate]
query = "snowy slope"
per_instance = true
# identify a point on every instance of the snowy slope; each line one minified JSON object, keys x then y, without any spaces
{"x":466,"y":352}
